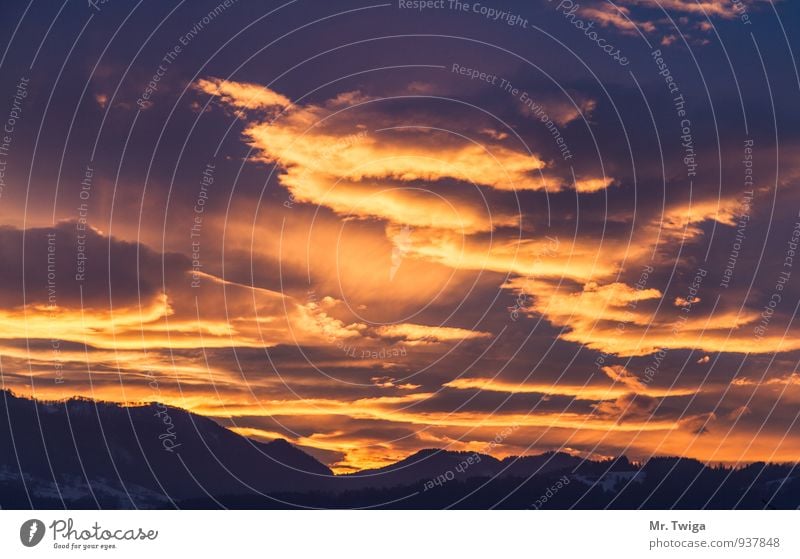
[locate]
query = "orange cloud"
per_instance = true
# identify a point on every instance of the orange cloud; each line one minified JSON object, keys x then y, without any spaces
{"x":592,"y":392}
{"x":242,"y":95}
{"x":420,"y":334}
{"x":370,"y":177}
{"x":619,"y":17}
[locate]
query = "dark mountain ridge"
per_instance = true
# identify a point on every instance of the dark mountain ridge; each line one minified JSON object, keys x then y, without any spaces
{"x":107,"y":455}
{"x":82,"y":453}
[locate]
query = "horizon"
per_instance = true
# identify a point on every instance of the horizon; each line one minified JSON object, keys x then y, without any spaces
{"x":633,"y":461}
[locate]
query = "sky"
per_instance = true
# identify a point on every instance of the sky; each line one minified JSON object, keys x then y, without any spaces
{"x":375,"y":228}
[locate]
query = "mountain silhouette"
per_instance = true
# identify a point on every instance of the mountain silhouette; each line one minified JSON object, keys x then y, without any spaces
{"x":423,"y":467}
{"x":82,"y":453}
{"x":104,"y":455}
{"x":433,"y":467}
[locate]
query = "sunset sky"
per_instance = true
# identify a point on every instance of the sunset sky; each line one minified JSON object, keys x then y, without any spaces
{"x":371,"y":229}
